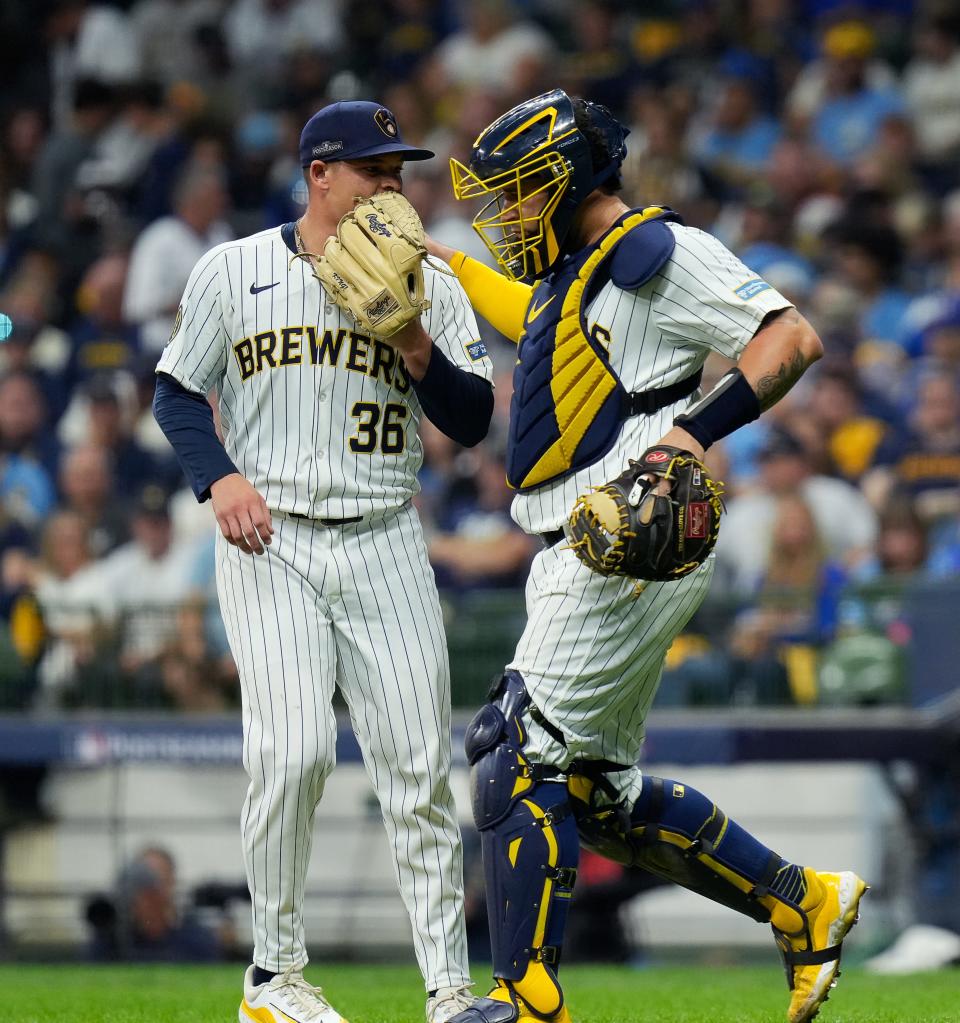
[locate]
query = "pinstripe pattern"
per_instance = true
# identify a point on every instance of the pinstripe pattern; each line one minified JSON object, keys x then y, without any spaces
{"x":593,"y":648}
{"x":322,"y":609}
{"x":287,"y":427}
{"x":592,"y":652}
{"x":354,"y":606}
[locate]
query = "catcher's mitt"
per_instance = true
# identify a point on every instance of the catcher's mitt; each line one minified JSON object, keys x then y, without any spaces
{"x":373,"y":268}
{"x":625,"y":528}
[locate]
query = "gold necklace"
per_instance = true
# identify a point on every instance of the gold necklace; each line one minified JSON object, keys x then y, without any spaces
{"x":301,"y":252}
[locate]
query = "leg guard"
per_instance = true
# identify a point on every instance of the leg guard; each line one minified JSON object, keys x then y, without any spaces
{"x":530,"y":849}
{"x":674,"y":831}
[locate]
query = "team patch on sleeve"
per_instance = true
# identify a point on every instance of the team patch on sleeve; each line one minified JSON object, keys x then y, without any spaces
{"x":176,"y":323}
{"x":752,"y":288}
{"x":476,"y":350}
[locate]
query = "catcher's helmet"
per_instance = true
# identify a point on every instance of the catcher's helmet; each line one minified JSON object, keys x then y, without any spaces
{"x":537,"y":149}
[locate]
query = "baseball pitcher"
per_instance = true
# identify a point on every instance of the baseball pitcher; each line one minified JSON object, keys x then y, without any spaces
{"x":326,"y":340}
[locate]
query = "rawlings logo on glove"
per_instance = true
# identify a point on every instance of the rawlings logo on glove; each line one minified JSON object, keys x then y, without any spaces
{"x":628,"y":527}
{"x":373,"y":267}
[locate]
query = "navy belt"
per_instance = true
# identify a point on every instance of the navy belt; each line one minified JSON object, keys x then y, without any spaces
{"x":553,"y":536}
{"x":645,"y":403}
{"x":327,"y":522}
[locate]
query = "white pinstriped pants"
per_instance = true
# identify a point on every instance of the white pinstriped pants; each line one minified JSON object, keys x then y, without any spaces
{"x":592,"y":655}
{"x":355,"y":606}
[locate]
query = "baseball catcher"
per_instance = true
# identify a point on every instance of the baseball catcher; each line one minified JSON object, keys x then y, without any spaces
{"x":373,"y":267}
{"x":658,"y":520}
{"x":614,"y":311}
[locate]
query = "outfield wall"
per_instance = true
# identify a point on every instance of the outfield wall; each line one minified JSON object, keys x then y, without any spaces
{"x":833,"y":815}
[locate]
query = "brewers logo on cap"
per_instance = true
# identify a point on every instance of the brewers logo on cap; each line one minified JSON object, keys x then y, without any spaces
{"x":386,"y":122}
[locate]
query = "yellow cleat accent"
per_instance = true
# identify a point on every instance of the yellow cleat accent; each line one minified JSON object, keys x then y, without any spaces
{"x":811,"y":955}
{"x":504,"y":993}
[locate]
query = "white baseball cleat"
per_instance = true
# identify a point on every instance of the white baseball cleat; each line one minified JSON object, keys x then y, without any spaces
{"x":288,"y":998}
{"x":920,"y":947}
{"x":448,"y":1001}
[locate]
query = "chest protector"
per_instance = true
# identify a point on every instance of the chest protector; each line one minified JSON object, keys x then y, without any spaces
{"x":568,"y":404}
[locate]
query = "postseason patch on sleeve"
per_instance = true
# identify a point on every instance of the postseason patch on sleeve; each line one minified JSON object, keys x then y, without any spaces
{"x":752,"y":288}
{"x":476,"y":350}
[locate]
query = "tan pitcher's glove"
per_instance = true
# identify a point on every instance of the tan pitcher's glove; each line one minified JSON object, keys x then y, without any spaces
{"x":373,"y":267}
{"x":625,"y":527}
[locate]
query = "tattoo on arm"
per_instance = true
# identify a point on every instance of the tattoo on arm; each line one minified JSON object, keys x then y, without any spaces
{"x":773,"y":386}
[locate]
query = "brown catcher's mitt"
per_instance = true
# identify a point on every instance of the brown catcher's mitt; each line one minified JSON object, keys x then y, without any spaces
{"x":625,"y":528}
{"x":373,"y":267}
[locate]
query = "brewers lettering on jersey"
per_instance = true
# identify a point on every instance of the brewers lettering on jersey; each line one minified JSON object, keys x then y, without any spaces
{"x":614,"y":311}
{"x":319,"y":423}
{"x":320,"y":417}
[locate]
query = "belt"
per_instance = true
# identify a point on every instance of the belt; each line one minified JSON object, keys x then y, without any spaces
{"x":327,"y":522}
{"x":554,"y":536}
{"x":645,"y":403}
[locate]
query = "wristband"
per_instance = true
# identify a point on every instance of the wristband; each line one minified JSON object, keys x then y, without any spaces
{"x":731,"y":404}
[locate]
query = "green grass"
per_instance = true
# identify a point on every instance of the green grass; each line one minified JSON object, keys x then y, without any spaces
{"x":390,"y":994}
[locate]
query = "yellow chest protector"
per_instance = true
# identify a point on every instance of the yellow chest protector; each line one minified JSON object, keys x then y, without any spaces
{"x":568,"y":404}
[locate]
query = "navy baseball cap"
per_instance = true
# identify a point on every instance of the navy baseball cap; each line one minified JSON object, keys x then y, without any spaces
{"x":351,"y":129}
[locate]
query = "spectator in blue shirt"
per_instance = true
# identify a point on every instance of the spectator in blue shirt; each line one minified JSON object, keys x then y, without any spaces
{"x":848,"y":120}
{"x":741,"y":137}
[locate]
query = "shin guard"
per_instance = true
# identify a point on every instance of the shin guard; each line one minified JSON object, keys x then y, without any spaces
{"x":676,"y":832}
{"x":530,"y":863}
{"x":530,"y":850}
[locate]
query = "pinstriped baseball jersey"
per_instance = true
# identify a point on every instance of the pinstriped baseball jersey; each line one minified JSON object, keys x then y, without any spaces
{"x":593,"y":648}
{"x":319,"y":416}
{"x":702,"y":300}
{"x":322,"y":419}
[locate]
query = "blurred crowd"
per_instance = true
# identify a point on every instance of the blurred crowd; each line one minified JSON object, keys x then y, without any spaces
{"x":819,"y":140}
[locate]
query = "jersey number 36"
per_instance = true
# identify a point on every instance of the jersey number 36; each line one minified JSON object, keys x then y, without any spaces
{"x":390,"y":439}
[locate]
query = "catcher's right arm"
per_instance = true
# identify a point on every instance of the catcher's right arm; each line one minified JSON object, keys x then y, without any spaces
{"x":631,"y":527}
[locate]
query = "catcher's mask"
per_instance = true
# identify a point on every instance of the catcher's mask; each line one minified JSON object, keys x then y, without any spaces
{"x":536,"y":150}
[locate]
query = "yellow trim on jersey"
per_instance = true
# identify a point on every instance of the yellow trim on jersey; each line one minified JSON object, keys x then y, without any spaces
{"x":500,"y":301}
{"x":580,"y":382}
{"x":512,"y":850}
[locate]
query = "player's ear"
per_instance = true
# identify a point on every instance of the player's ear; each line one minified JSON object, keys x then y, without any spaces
{"x":318,"y":174}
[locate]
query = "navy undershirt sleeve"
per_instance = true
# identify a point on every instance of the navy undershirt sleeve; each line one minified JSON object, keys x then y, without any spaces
{"x":187,"y":422}
{"x":457,"y":402}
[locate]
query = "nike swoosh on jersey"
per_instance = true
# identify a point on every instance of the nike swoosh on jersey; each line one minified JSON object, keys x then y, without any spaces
{"x":535,"y":311}
{"x":254,"y":290}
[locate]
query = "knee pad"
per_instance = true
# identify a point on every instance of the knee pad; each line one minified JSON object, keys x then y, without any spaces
{"x":500,"y":774}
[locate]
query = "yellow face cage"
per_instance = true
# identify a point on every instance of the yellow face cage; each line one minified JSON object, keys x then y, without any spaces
{"x":516,"y":223}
